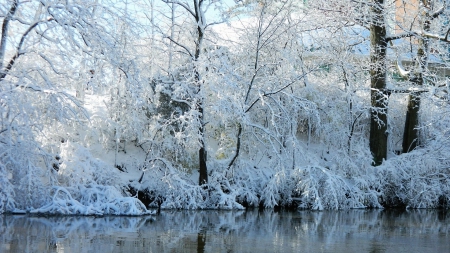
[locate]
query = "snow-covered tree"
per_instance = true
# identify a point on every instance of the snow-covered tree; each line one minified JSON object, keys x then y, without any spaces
{"x":47,"y":51}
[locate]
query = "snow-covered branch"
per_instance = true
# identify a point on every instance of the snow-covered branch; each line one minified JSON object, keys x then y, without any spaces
{"x":184,"y":5}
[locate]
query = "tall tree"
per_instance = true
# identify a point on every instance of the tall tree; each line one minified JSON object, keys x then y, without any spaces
{"x":379,"y":96}
{"x":370,"y":15}
{"x":197,"y":10}
{"x":42,"y":46}
{"x":427,"y":12}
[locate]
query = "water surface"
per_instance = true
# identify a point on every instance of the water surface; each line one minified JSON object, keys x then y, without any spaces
{"x":232,"y":231}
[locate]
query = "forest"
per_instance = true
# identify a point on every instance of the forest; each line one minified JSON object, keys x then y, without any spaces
{"x":124,"y":106}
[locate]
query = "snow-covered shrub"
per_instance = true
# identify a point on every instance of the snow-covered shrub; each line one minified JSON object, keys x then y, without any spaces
{"x":246,"y":181}
{"x":25,"y":165}
{"x":95,"y":200}
{"x":279,"y":190}
{"x":168,"y":187}
{"x":319,"y":188}
{"x":230,"y":189}
{"x":419,"y":179}
{"x":171,"y":188}
{"x":79,"y":184}
{"x":63,"y":203}
{"x":78,"y":167}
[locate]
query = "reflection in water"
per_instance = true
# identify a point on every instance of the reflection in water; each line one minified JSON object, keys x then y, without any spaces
{"x":232,"y":231}
{"x":201,"y":241}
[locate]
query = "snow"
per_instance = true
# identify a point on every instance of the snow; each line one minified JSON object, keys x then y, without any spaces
{"x":88,"y":129}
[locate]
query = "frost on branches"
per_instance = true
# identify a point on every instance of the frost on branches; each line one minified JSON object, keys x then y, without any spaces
{"x":260,"y":104}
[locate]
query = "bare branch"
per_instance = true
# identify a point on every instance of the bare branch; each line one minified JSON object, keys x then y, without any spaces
{"x":440,"y":11}
{"x":182,"y":5}
{"x":214,"y":23}
{"x":446,"y":34}
{"x":180,"y":45}
{"x":401,"y":36}
{"x":420,"y":34}
{"x":277,"y":91}
{"x":435,"y":36}
{"x":18,"y":53}
{"x":52,"y":66}
{"x":5,"y":28}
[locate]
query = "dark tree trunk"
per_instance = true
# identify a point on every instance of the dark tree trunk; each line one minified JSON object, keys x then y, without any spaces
{"x":411,"y":133}
{"x":203,"y":170}
{"x":379,"y":96}
{"x":238,"y":146}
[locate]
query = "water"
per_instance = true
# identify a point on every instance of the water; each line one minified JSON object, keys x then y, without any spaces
{"x":232,"y":231}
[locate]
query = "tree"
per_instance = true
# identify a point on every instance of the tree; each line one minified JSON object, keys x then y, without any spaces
{"x":373,"y":17}
{"x":427,"y":12}
{"x":274,"y":73}
{"x":416,"y":24}
{"x":378,"y":20}
{"x":197,"y":10}
{"x":379,"y":96}
{"x":44,"y":48}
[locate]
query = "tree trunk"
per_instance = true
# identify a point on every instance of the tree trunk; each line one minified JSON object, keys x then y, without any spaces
{"x":203,"y":169}
{"x":411,"y":133}
{"x":5,"y":36}
{"x":379,"y":96}
{"x":5,"y":27}
{"x":238,"y":146}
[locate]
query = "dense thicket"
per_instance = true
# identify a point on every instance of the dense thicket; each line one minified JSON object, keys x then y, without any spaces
{"x":112,"y":107}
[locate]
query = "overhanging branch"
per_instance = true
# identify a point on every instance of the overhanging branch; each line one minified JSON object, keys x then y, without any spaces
{"x":18,"y":53}
{"x":277,"y":91}
{"x":182,"y":5}
{"x":180,"y":45}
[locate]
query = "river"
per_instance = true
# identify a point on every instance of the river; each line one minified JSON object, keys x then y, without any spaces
{"x":232,"y":231}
